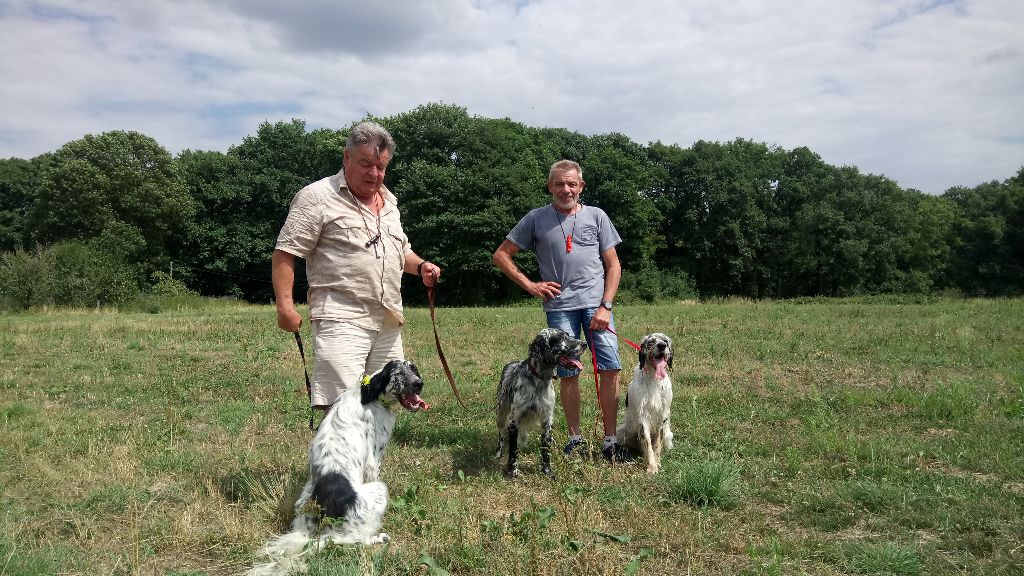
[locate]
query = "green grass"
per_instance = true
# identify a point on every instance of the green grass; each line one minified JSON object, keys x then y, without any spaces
{"x":858,"y":436}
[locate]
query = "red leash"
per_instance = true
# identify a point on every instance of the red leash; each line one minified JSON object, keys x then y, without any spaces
{"x":593,"y":356}
{"x":633,"y":344}
{"x":593,"y":360}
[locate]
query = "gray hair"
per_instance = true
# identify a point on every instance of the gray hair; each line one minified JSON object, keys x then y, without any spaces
{"x":564,"y":166}
{"x":373,"y":134}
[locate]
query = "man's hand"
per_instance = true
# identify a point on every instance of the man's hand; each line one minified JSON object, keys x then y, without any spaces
{"x":430,"y":273}
{"x":545,"y":290}
{"x":288,"y":318}
{"x":601,"y":319}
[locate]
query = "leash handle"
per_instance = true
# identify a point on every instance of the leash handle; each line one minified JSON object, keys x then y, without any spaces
{"x":440,"y":353}
{"x":309,"y":387}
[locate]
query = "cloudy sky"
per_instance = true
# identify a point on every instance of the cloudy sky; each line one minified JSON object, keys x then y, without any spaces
{"x":927,"y":92}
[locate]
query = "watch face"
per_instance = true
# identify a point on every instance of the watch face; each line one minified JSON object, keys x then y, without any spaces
{"x":606,"y":305}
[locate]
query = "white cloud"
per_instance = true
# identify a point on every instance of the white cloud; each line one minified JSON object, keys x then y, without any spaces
{"x":927,"y":93}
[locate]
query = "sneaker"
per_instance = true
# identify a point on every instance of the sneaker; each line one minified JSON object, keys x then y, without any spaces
{"x":616,"y":452}
{"x":575,"y":447}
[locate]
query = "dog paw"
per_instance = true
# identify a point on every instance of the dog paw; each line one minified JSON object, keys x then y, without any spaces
{"x":653,"y":469}
{"x":512,"y":473}
{"x":381,"y":538}
{"x":548,"y":472}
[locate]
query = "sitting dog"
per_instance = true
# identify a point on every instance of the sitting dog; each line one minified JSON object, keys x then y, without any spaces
{"x":344,"y":469}
{"x":526,"y":398}
{"x":646,"y":427}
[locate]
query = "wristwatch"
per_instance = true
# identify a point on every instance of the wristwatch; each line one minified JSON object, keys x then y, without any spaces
{"x":607,"y":305}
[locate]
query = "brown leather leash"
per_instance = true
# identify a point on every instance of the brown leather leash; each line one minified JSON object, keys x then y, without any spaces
{"x":440,"y":353}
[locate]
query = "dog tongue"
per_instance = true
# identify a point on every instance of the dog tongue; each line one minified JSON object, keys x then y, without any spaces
{"x":567,"y":361}
{"x":414,"y":402}
{"x":659,"y":367}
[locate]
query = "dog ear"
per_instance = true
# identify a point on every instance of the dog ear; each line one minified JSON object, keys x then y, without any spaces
{"x":375,"y":388}
{"x":415,"y":370}
{"x":643,"y":357}
{"x":537,"y":347}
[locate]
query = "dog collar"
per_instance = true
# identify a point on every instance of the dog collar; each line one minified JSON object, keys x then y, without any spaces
{"x":534,"y":370}
{"x":365,"y":380}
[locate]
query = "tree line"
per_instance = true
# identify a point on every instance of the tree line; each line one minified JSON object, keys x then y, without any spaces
{"x":109,"y":216}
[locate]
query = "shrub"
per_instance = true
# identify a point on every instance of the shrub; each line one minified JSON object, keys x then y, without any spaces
{"x":164,"y":285}
{"x":21,"y":280}
{"x":649,"y":284}
{"x":71,"y":273}
{"x":82,"y":276}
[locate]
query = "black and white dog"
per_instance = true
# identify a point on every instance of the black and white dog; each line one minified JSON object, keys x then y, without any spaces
{"x":526,"y":398}
{"x":344,"y":469}
{"x":646,"y":427}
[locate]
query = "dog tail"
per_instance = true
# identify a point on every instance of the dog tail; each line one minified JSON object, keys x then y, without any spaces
{"x":283,"y":555}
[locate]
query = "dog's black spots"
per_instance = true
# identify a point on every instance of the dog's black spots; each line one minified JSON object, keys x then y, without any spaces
{"x":345,"y":458}
{"x":398,"y":378}
{"x":525,"y":397}
{"x":655,"y":346}
{"x":378,"y":383}
{"x":513,"y":449}
{"x":646,"y":427}
{"x":334,"y":494}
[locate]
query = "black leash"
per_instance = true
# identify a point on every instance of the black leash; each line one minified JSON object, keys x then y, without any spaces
{"x":309,"y":387}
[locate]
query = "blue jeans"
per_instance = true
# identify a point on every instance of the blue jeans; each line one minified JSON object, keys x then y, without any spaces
{"x":606,"y":345}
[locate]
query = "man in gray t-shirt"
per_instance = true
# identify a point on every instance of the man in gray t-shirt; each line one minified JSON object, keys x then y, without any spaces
{"x":580,"y":271}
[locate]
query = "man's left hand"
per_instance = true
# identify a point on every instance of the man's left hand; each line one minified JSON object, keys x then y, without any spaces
{"x":601,"y":319}
{"x":430,"y":272}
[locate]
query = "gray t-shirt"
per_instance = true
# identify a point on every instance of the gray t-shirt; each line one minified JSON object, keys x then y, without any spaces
{"x":581,"y":271}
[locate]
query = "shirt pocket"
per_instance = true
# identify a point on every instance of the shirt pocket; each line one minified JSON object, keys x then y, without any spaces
{"x":349,"y":230}
{"x":588,"y":236}
{"x":395,"y":245}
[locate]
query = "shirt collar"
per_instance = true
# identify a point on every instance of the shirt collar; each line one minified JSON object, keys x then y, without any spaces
{"x":390,"y":200}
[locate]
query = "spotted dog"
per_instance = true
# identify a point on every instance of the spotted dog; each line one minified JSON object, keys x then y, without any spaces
{"x":526,"y":398}
{"x":646,"y":428}
{"x":344,"y":469}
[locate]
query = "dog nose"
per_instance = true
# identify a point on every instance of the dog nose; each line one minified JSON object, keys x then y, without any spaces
{"x":661,"y":346}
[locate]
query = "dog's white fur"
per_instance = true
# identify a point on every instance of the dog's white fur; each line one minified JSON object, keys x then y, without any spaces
{"x":344,"y":465}
{"x":646,"y":427}
{"x":526,"y":398}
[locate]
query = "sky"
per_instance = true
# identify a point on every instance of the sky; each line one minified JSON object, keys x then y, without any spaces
{"x":928,"y":93}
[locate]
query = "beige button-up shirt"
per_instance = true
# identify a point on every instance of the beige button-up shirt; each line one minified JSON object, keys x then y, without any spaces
{"x":348,"y":279}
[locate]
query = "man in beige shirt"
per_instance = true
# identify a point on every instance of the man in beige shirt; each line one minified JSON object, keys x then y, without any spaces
{"x":348,"y":229}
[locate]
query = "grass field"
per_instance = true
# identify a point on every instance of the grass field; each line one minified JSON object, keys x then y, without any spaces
{"x":871,"y":436}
